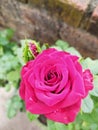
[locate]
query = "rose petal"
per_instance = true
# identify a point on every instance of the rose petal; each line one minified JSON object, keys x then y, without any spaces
{"x":50,"y":98}
{"x":65,"y":115}
{"x":34,"y":105}
{"x":22,"y":90}
{"x":88,"y":81}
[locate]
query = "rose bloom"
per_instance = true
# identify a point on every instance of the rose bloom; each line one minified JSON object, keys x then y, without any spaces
{"x":54,"y":84}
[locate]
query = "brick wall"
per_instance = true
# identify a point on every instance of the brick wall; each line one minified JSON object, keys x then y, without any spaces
{"x":78,"y":13}
{"x":75,"y":21}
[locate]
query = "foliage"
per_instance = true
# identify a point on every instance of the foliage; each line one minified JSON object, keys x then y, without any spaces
{"x":32,"y":116}
{"x":14,"y":105}
{"x":10,"y":70}
{"x":10,"y":65}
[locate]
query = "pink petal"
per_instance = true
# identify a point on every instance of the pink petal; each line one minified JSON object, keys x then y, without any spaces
{"x":88,"y":81}
{"x":65,"y":115}
{"x":36,"y":106}
{"x":49,"y":98}
{"x":22,"y":90}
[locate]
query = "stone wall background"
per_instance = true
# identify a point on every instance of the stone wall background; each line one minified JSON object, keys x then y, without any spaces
{"x":75,"y":21}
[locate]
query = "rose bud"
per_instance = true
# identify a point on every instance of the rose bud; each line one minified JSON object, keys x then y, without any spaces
{"x":31,"y":50}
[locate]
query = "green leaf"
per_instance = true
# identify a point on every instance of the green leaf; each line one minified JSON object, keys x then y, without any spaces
{"x":19,"y":53}
{"x":8,"y":87}
{"x":13,"y":75}
{"x":90,"y":117}
{"x":7,"y":33}
{"x":70,"y":126}
{"x":94,"y":92}
{"x":13,"y":106}
{"x":60,"y":126}
{"x":9,"y":62}
{"x":11,"y":113}
{"x":88,"y":63}
{"x":62,"y":44}
{"x":32,"y":116}
{"x":1,"y":51}
{"x":87,"y":105}
{"x":51,"y":125}
{"x":45,"y":46}
{"x":73,"y":51}
{"x":3,"y":41}
{"x":94,"y":126}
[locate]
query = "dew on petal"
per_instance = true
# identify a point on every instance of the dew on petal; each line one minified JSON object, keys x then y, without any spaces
{"x":65,"y":118}
{"x":30,"y":99}
{"x":55,"y":112}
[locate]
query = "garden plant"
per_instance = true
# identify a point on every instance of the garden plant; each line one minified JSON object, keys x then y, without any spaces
{"x":53,"y":81}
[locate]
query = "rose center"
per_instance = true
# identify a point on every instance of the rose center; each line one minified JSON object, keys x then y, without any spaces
{"x":51,"y":75}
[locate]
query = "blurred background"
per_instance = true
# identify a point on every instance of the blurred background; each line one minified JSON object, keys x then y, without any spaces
{"x":74,"y":21}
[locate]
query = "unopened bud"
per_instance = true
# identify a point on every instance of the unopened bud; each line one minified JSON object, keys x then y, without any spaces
{"x":31,"y":50}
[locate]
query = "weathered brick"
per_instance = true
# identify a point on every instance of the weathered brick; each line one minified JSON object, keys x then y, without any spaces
{"x":93,"y":24}
{"x":47,"y":23}
{"x":24,"y":1}
{"x":79,"y":4}
{"x":70,"y":11}
{"x":95,"y":13}
{"x":86,"y":43}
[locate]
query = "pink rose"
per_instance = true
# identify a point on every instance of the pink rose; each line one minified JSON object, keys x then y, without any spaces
{"x":54,"y":84}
